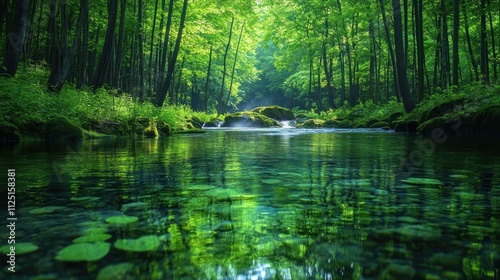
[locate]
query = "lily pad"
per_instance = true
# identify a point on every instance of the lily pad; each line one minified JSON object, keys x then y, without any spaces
{"x":45,"y":210}
{"x":81,"y":252}
{"x":121,"y":219}
{"x":115,"y":271}
{"x":134,"y":205}
{"x":146,"y":243}
{"x":21,"y":248}
{"x":98,"y":237}
{"x":422,"y":181}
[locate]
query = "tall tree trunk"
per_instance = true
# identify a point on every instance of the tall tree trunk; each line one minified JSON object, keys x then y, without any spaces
{"x":119,"y":47}
{"x":151,"y":63}
{"x":140,"y":42}
{"x":469,"y":44}
{"x":406,"y":96}
{"x":105,"y":60}
{"x":391,"y":51}
{"x":16,"y":37}
{"x":4,"y":5}
{"x":224,"y":65}
{"x":493,"y":48}
{"x":483,"y":42}
{"x":234,"y":67}
{"x":445,"y":57}
{"x":456,"y":27}
{"x":327,"y":68}
{"x":419,"y":30}
{"x":171,"y":63}
{"x":61,"y":55}
{"x":207,"y":86}
{"x":165,"y":47}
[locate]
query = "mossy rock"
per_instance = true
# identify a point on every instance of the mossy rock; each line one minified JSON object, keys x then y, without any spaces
{"x":195,"y":122}
{"x":393,"y":117}
{"x":312,"y":123}
{"x":379,"y":124}
{"x":275,"y":112}
{"x":436,"y":123}
{"x":336,"y":124}
{"x":151,"y":131}
{"x":441,"y":109}
{"x":370,"y":122}
{"x":83,"y":252}
{"x":164,"y":128}
{"x":406,"y":126}
{"x":249,"y":119}
{"x":9,"y":132}
{"x":213,"y":123}
{"x":62,"y":128}
{"x":484,"y":123}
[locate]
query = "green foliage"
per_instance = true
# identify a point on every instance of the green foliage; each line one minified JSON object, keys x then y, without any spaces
{"x":25,"y":103}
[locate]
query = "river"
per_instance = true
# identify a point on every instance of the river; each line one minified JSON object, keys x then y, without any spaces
{"x":258,"y":204}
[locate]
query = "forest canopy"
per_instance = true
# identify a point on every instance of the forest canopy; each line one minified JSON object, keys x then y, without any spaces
{"x":220,"y":56}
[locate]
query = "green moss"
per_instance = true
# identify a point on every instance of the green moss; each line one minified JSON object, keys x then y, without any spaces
{"x":62,"y":128}
{"x":312,"y":123}
{"x":9,"y":132}
{"x":249,"y":119}
{"x":275,"y":112}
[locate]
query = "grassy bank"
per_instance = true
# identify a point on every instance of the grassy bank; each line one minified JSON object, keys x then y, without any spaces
{"x":28,"y":109}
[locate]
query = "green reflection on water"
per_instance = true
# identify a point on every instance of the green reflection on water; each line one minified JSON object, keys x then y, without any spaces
{"x":262,"y":203}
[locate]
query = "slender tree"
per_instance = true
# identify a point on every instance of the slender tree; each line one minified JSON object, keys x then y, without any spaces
{"x":161,"y":96}
{"x":456,"y":27}
{"x":406,"y":96}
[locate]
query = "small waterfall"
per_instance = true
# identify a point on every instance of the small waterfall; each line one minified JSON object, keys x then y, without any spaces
{"x":287,"y":124}
{"x":219,"y":123}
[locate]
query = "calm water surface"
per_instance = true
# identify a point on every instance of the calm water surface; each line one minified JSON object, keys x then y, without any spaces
{"x":261,"y":204}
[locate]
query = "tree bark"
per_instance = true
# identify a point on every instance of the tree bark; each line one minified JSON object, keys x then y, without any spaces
{"x":61,"y":56}
{"x":16,"y":38}
{"x":391,"y":50}
{"x":105,"y":60}
{"x":483,"y":42}
{"x":406,"y":96}
{"x":224,"y":65}
{"x":234,"y":67}
{"x":207,"y":86}
{"x":171,"y":64}
{"x":456,"y":26}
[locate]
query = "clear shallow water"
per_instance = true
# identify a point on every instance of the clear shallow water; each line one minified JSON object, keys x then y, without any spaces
{"x":263,"y":204}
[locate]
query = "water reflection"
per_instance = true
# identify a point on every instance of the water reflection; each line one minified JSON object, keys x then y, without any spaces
{"x":259,"y":204}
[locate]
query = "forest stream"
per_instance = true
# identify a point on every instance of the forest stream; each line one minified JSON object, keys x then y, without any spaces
{"x":274,"y":203}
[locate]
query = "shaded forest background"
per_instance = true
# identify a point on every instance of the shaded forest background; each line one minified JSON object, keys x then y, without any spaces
{"x":220,"y":56}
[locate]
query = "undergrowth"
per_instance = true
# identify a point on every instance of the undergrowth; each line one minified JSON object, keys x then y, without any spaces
{"x":24,"y":99}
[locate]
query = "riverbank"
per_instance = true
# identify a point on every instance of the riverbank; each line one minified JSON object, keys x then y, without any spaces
{"x":29,"y":112}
